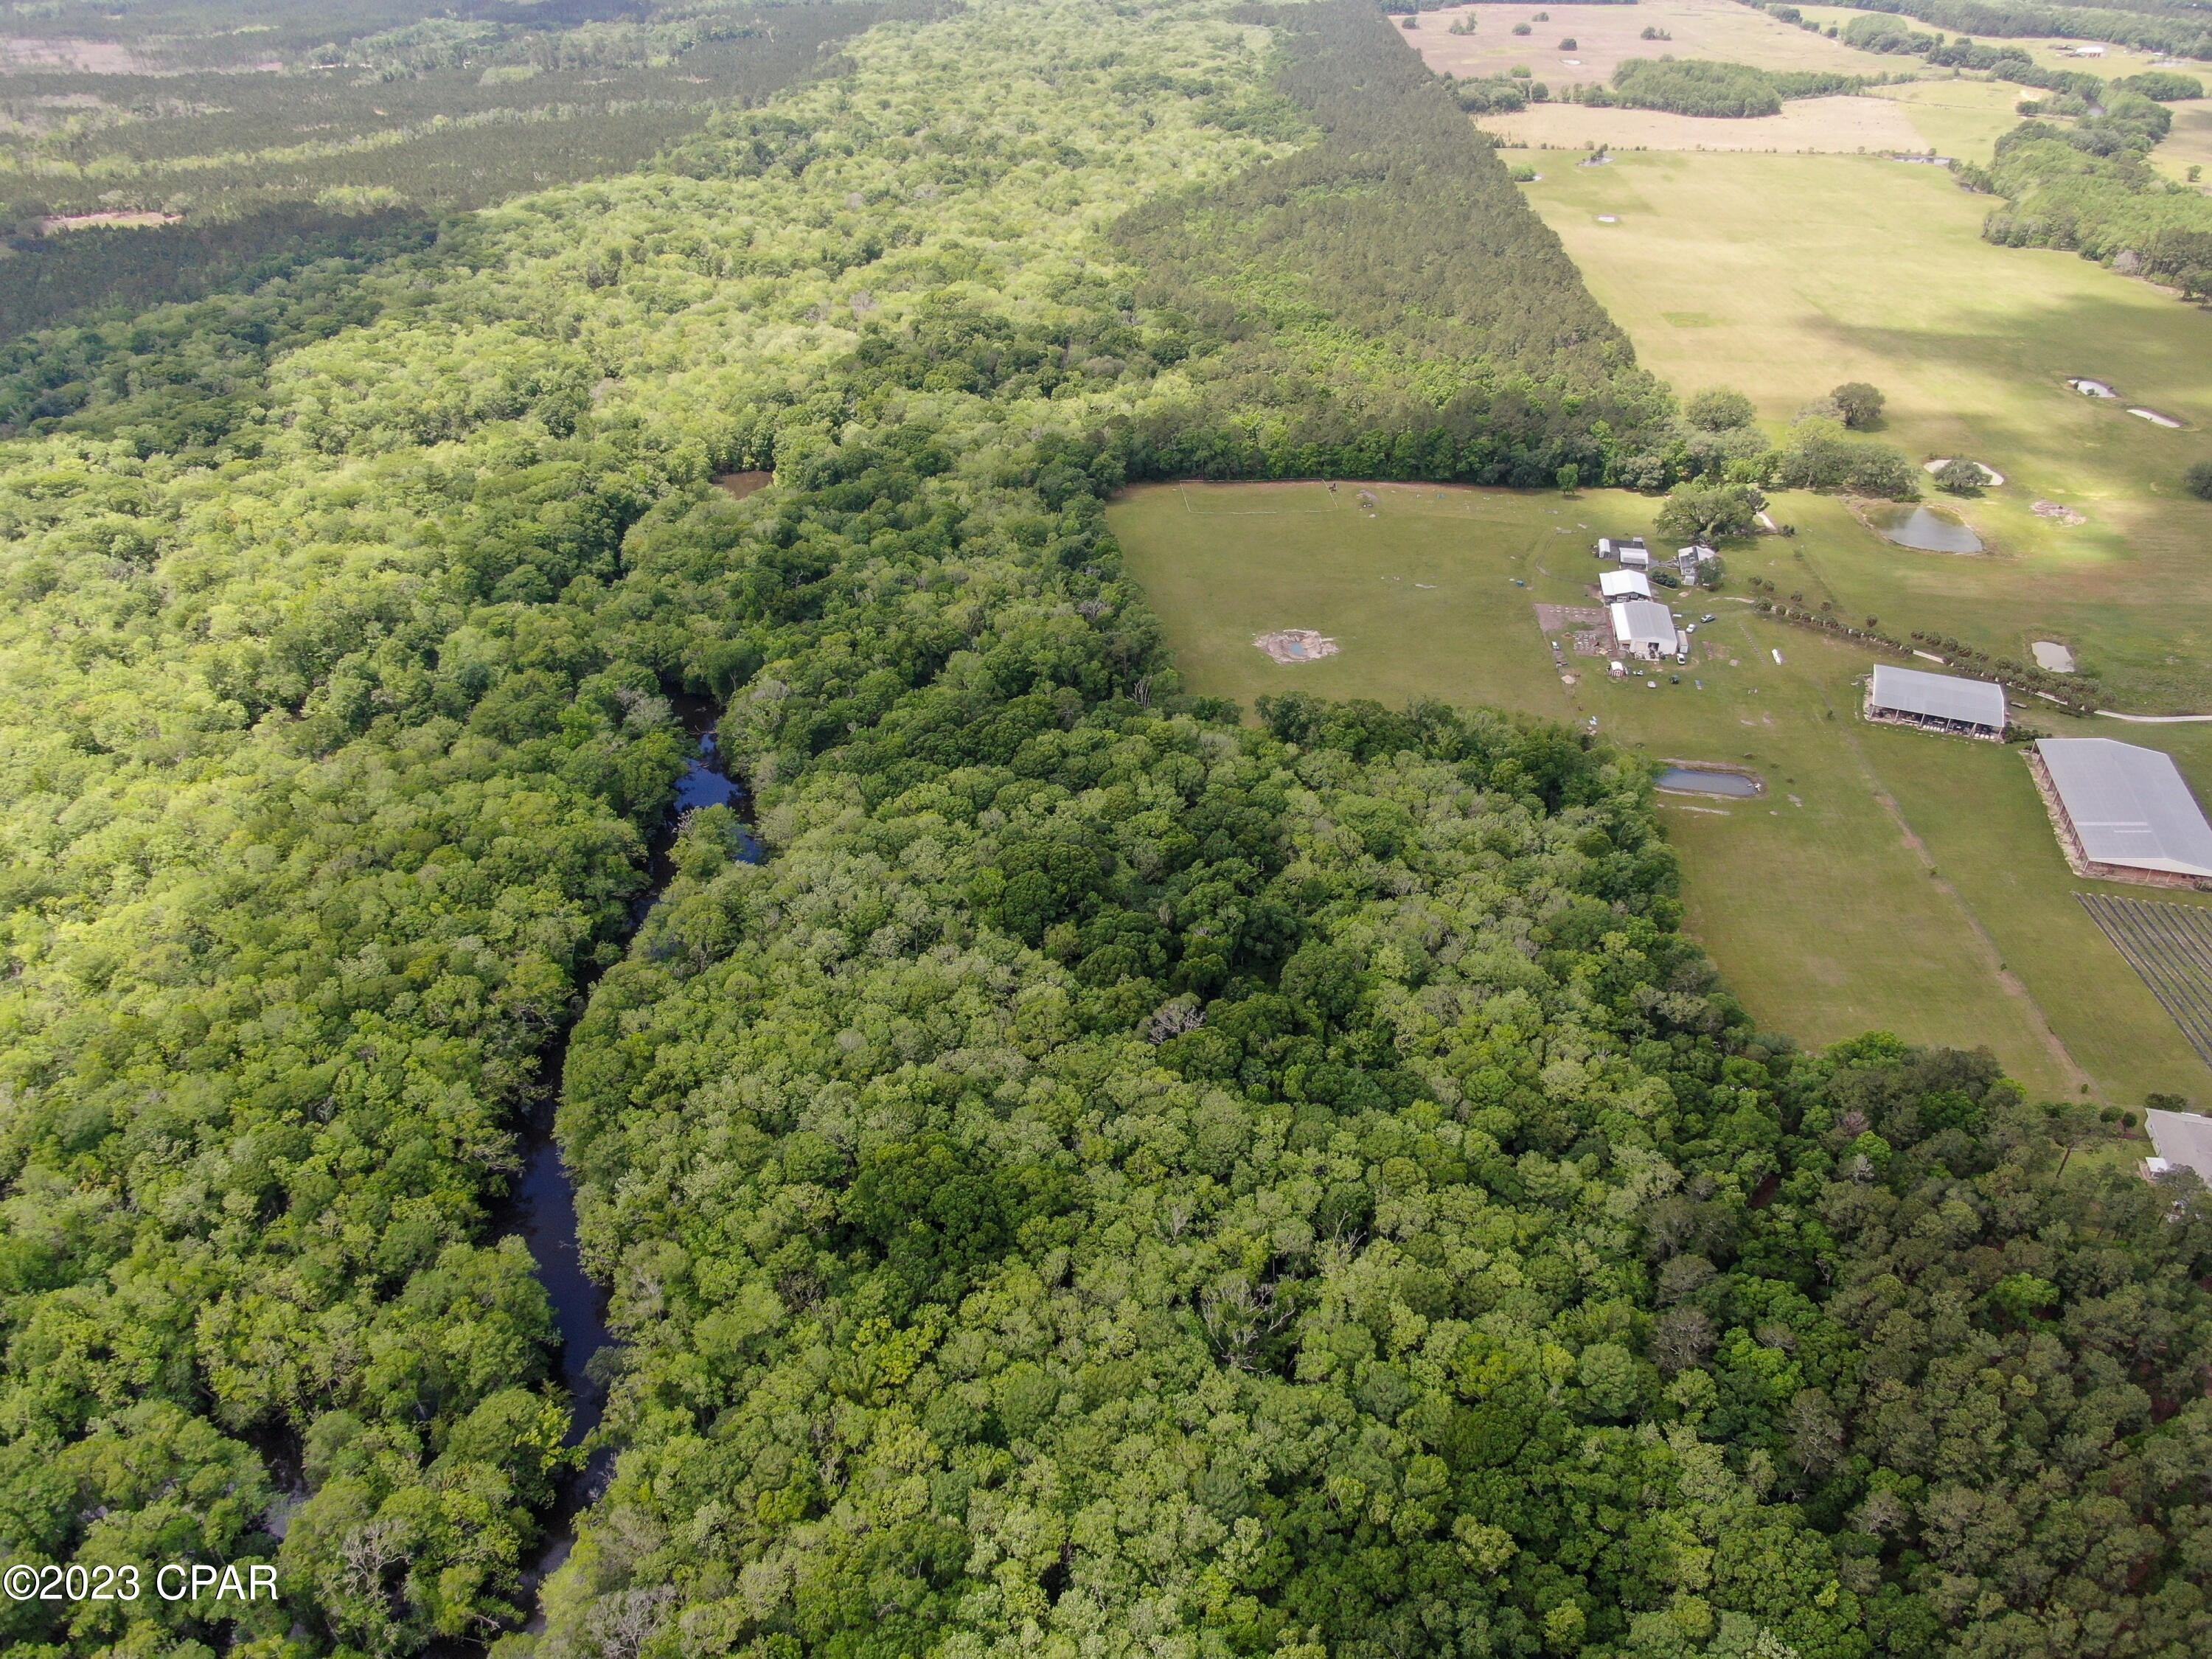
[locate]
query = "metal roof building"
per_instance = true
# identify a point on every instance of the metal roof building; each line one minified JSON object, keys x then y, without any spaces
{"x":2183,"y":1139}
{"x":1941,"y":701}
{"x":1623,"y":584}
{"x":2127,"y":806}
{"x":1643,"y":628}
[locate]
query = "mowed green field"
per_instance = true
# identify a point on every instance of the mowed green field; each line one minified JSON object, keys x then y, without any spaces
{"x":1887,"y":879}
{"x":1783,"y":275}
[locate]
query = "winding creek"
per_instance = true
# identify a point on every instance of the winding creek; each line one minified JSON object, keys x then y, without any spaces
{"x":542,"y":1208}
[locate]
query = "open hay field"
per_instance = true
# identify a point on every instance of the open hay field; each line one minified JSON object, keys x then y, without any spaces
{"x":1808,"y":126}
{"x":1783,"y":275}
{"x":2190,"y":143}
{"x":1887,"y":879}
{"x":1604,"y":35}
{"x":1958,"y":117}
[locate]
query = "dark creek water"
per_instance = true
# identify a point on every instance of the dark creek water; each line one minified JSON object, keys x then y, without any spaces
{"x":1690,"y":781}
{"x":542,"y":1209}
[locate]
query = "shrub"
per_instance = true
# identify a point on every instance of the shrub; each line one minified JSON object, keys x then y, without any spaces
{"x":1568,"y":45}
{"x":1960,"y":477}
{"x":1523,"y":28}
{"x":2197,"y":480}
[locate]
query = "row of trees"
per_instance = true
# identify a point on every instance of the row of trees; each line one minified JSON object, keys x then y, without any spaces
{"x":2173,"y":27}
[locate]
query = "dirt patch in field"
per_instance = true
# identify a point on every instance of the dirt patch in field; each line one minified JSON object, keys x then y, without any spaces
{"x":82,"y":56}
{"x":1604,"y":35}
{"x":742,"y":485}
{"x":1806,"y":126}
{"x":1296,"y":644}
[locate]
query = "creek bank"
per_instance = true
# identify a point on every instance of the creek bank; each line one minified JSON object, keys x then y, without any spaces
{"x":541,"y":1208}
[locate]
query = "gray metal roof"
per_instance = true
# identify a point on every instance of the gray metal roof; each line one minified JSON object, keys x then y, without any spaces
{"x":2183,"y":1137}
{"x":1939,"y":697}
{"x":1614,"y":583}
{"x":2129,"y":806}
{"x":1642,"y":622}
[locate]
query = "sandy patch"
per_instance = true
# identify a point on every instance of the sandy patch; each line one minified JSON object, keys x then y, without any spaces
{"x":2055,"y":513}
{"x":85,"y":57}
{"x":53,"y":224}
{"x":2052,"y":656}
{"x":1296,"y":644}
{"x":1604,"y":35}
{"x":2156,"y":418}
{"x":1806,"y":126}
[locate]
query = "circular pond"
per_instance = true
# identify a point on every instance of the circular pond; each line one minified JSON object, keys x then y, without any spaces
{"x":1926,"y":528}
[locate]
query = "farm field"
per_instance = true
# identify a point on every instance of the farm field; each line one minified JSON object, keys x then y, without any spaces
{"x":1604,"y":35}
{"x":1763,"y":273}
{"x":1886,"y":880}
{"x":2190,"y":143}
{"x":1805,"y":126}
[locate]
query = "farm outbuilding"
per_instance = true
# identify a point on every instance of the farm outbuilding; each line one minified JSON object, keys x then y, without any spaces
{"x":1643,"y":629}
{"x":2123,"y":812}
{"x":1942,"y":703}
{"x":1617,"y":585}
{"x":2184,"y":1141}
{"x":1613,"y":547}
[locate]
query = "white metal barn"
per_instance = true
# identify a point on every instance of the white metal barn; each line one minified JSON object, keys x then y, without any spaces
{"x":1618,"y":585}
{"x":1643,"y":629}
{"x":1942,"y":703}
{"x":2123,"y":811}
{"x":2184,"y":1141}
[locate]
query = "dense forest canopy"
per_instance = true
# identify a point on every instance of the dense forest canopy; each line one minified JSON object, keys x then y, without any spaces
{"x":302,"y":143}
{"x":1115,"y":1176}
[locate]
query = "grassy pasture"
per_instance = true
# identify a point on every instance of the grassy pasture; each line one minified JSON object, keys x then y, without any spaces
{"x":1872,"y":886}
{"x":2190,"y":143}
{"x":1783,"y":275}
{"x":1805,"y":126}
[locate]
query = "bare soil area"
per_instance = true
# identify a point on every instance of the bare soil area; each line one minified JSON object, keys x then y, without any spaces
{"x":1604,"y":35}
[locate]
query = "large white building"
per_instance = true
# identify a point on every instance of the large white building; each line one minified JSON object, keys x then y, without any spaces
{"x":2184,"y":1141}
{"x":1643,"y":631}
{"x":1942,"y":703}
{"x":1618,"y":584}
{"x":2124,"y":812}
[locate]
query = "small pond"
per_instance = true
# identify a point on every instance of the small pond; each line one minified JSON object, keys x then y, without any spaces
{"x":1926,"y":528}
{"x":1691,"y":780}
